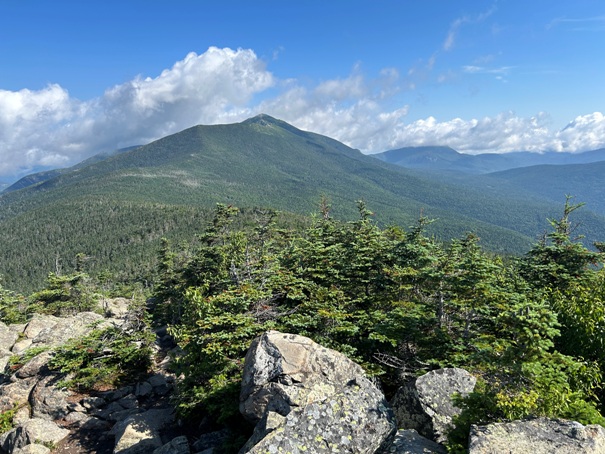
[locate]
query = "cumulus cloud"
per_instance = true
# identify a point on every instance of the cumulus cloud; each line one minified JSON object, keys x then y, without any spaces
{"x":28,"y":121}
{"x":586,"y":132}
{"x":48,"y":128}
{"x":348,"y":109}
{"x":501,"y":134}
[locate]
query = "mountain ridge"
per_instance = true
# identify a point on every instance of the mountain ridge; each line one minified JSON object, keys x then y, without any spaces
{"x":439,"y":158}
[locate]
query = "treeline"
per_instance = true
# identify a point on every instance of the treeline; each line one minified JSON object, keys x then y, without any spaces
{"x":399,"y":302}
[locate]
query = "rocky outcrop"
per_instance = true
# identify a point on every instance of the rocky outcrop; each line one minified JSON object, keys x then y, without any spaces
{"x":425,"y":403}
{"x":49,"y":331}
{"x":537,"y":436}
{"x":304,"y":397}
{"x":46,"y":414}
{"x":301,"y":396}
{"x":35,"y":430}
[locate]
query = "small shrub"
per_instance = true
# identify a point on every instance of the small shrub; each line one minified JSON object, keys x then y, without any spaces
{"x":107,"y":357}
{"x":6,"y":419}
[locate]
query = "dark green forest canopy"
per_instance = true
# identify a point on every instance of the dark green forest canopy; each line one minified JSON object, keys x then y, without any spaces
{"x":396,"y":300}
{"x":391,"y":297}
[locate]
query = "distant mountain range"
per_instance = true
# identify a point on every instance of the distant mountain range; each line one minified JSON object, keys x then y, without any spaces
{"x":448,"y":159}
{"x":120,"y":204}
{"x":550,"y":175}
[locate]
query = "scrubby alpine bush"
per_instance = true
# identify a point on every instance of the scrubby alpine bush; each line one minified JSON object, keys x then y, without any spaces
{"x":107,"y":357}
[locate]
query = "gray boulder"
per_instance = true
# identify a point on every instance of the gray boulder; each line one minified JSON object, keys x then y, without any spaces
{"x":34,"y":430}
{"x":210,"y":441}
{"x":408,"y":441}
{"x":5,"y":357}
{"x":7,"y":337}
{"x":139,"y":433}
{"x":39,"y":323}
{"x":34,"y":366}
{"x":537,"y":436}
{"x":34,"y":448}
{"x":425,"y":403}
{"x":21,"y":346}
{"x":178,"y":445}
{"x":16,"y":393}
{"x":306,"y":397}
{"x":59,"y":330}
{"x":411,"y":442}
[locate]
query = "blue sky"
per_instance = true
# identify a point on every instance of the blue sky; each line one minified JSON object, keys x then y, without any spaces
{"x":79,"y":77}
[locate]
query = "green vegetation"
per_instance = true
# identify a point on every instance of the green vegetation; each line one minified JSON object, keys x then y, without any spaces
{"x":17,"y":361}
{"x":12,"y":306}
{"x":107,"y":357}
{"x":584,"y":181}
{"x":6,"y":420}
{"x":389,"y":297}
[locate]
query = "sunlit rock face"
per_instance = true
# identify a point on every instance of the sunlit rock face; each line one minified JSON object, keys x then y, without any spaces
{"x":307,"y":398}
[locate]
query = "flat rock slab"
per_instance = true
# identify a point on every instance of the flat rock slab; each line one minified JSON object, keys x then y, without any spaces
{"x":58,"y":330}
{"x":7,"y":337}
{"x":537,"y":436}
{"x":34,"y":448}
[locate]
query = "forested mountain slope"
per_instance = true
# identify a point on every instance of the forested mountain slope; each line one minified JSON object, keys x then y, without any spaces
{"x":584,"y":181}
{"x":39,"y":177}
{"x":122,"y":205}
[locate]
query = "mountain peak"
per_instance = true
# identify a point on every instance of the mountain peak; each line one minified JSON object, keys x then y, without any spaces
{"x":263,"y":120}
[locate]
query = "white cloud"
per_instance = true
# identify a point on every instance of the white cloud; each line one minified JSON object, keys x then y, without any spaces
{"x":586,"y":132}
{"x":502,"y":134}
{"x":472,"y":69}
{"x":501,"y":73}
{"x":455,"y":26}
{"x":349,"y":109}
{"x":49,"y":128}
{"x":28,"y":121}
{"x":595,"y":23}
